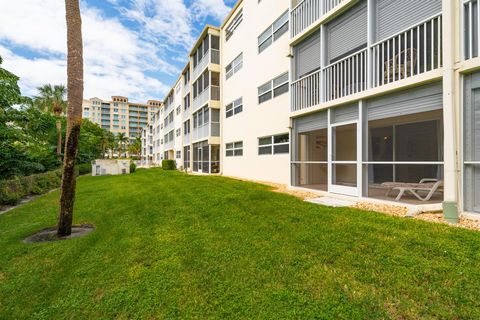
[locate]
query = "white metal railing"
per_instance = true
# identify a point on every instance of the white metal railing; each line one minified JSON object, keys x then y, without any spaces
{"x":408,"y":53}
{"x":304,"y":14}
{"x":346,"y":76}
{"x":186,"y":139}
{"x":201,"y":99}
{"x":413,"y":51}
{"x":306,"y":91}
{"x":471,"y":23}
{"x":200,"y":132}
{"x":307,"y":12}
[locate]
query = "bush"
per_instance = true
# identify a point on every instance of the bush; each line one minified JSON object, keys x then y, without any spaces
{"x":168,"y":165}
{"x":12,"y":191}
{"x":85,"y":168}
{"x":133,"y":167}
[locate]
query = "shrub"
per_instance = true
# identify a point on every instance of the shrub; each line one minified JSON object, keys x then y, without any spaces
{"x":12,"y":191}
{"x":168,"y":165}
{"x":133,"y":167}
{"x":84,"y":168}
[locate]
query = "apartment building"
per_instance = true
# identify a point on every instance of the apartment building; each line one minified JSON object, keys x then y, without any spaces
{"x":120,"y":115}
{"x":362,"y":98}
{"x":255,"y":85}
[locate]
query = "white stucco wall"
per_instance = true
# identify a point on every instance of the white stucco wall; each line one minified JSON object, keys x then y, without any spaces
{"x":256,"y":120}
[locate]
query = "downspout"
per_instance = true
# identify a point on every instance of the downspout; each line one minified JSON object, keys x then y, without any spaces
{"x":450,"y":203}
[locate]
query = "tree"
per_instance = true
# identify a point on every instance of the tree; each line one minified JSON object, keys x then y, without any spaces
{"x":74,"y":118}
{"x":104,"y":141}
{"x":52,"y":99}
{"x":111,"y":143}
{"x":122,"y":141}
{"x":135,"y":148}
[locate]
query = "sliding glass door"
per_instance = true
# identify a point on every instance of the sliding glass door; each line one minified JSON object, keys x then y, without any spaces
{"x":343,"y":164}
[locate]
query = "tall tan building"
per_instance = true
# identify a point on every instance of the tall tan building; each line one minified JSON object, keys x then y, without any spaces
{"x":120,"y":115}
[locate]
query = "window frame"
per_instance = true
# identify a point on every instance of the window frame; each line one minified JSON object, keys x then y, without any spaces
{"x":233,"y":108}
{"x":268,"y":36}
{"x":272,"y":88}
{"x":269,"y":147}
{"x":234,"y":149}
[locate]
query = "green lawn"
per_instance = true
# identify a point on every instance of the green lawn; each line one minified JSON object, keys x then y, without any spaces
{"x":169,"y":245}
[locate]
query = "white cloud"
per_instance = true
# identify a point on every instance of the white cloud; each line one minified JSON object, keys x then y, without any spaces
{"x":117,"y":60}
{"x":115,"y":57}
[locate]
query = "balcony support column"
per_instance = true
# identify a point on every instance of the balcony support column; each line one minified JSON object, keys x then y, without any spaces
{"x":451,"y":173}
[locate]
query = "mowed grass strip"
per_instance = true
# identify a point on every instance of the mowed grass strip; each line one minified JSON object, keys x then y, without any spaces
{"x":170,"y":245}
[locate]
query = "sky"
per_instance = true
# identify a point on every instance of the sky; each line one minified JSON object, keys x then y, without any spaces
{"x":134,"y":48}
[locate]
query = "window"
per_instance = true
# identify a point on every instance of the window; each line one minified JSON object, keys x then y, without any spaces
{"x":273,"y":32}
{"x":234,"y":107}
{"x":201,"y":117}
{"x":234,"y":66}
{"x":278,"y":144}
{"x":273,"y":88}
{"x":178,"y":132}
{"x":179,"y":109}
{"x":186,"y":127}
{"x":186,"y":77}
{"x":179,"y":154}
{"x":234,"y":24}
{"x":186,"y":102}
{"x":234,"y":149}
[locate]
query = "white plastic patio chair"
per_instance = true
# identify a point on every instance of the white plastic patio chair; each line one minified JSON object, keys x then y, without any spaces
{"x":425,"y":185}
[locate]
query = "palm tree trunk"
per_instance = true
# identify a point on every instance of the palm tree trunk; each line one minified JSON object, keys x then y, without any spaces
{"x":59,"y":138}
{"x":74,"y":115}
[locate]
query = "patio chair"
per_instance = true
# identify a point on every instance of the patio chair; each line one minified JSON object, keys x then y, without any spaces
{"x":430,"y":186}
{"x":404,"y":61}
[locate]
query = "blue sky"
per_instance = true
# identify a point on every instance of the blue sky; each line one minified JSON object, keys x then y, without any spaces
{"x":135,"y":48}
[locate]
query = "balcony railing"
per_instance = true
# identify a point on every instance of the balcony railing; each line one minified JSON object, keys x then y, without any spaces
{"x":411,"y":52}
{"x":212,"y":56}
{"x":201,"y":99}
{"x":186,"y":139}
{"x":471,"y":23}
{"x":306,"y":91}
{"x":307,"y":12}
{"x":346,"y":76}
{"x":211,"y":93}
{"x":200,"y":132}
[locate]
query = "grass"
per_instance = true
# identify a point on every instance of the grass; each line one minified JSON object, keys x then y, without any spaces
{"x":169,"y":245}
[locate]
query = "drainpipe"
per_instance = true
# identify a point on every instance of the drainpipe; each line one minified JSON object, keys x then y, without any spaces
{"x":450,"y":203}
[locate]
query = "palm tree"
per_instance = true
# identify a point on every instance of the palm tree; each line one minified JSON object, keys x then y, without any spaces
{"x":135,"y":148}
{"x":122,"y":141}
{"x":52,"y":99}
{"x":104,"y":140}
{"x":111,"y":144}
{"x":74,"y":118}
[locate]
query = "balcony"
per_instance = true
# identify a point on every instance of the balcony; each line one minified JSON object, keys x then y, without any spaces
{"x":212,"y":56}
{"x":414,"y":51}
{"x":306,"y":12}
{"x":201,"y":132}
{"x":210,"y":93}
{"x":471,"y":35}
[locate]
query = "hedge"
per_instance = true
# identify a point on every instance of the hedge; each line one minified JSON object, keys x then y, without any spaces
{"x":13,"y":190}
{"x":85,"y":168}
{"x":169,"y":165}
{"x":133,"y":167}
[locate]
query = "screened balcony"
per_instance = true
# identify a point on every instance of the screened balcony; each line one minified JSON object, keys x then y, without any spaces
{"x":205,"y":88}
{"x":400,"y":50}
{"x":206,"y":123}
{"x":207,"y":52}
{"x":393,"y":152}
